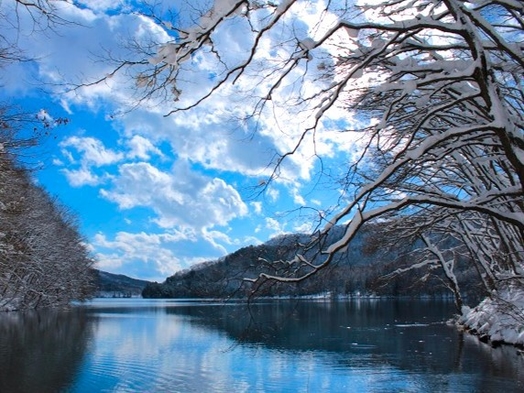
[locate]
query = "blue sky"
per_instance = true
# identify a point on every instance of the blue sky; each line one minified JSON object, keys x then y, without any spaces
{"x":157,"y":194}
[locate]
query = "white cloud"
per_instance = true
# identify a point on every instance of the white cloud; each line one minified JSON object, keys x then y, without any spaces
{"x":102,"y":5}
{"x":88,"y":153}
{"x":129,"y":248}
{"x":182,"y":198}
{"x":81,"y":177}
{"x":316,"y":202}
{"x":274,"y":226}
{"x":297,"y":198}
{"x":139,"y":184}
{"x":304,"y":227}
{"x":140,"y":254}
{"x":272,"y":193}
{"x":257,"y":207}
{"x":93,"y":152}
{"x":141,"y":148}
{"x":215,"y":238}
{"x":218,"y":136}
{"x":252,"y":240}
{"x":208,"y":135}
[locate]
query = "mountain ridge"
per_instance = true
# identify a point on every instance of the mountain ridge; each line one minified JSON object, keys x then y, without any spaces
{"x":358,"y":270}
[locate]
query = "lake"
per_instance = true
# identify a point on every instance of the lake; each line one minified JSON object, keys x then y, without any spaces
{"x":140,"y":345}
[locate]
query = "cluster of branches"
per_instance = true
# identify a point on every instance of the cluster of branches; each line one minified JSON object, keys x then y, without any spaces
{"x":41,"y":14}
{"x":441,"y":83}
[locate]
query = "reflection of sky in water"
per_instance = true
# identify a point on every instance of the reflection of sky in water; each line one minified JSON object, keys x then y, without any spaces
{"x":165,"y":352}
{"x":148,"y":352}
{"x":151,"y":350}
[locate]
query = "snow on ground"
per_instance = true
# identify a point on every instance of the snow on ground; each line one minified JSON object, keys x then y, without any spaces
{"x":497,"y":319}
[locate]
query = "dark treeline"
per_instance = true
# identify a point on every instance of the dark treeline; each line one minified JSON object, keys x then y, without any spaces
{"x":362,"y":270}
{"x":43,"y":259}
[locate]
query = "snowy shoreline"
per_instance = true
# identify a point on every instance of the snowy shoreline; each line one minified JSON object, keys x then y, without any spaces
{"x":497,"y":320}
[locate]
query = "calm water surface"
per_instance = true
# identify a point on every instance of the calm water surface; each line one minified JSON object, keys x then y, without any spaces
{"x":172,"y":346}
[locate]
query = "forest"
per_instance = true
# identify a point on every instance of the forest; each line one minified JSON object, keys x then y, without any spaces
{"x":44,"y":261}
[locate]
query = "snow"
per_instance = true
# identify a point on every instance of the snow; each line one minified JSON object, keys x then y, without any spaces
{"x":358,"y":73}
{"x":281,"y":9}
{"x":351,"y":32}
{"x":499,"y":318}
{"x":224,"y":6}
{"x":283,"y":5}
{"x":220,"y":9}
{"x":422,"y":101}
{"x":169,"y":53}
{"x":512,"y":3}
{"x":519,"y":153}
{"x":307,"y":44}
{"x":409,"y":86}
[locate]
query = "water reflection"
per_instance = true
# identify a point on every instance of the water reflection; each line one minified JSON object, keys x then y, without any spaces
{"x":403,"y":338}
{"x":172,"y":346}
{"x":41,"y":351}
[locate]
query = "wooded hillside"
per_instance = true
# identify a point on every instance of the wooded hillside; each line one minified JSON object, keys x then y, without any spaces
{"x":44,"y":260}
{"x":361,"y":270}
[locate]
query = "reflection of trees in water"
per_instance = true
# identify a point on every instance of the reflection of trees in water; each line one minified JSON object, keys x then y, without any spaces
{"x":41,"y":351}
{"x":504,"y":362}
{"x":299,"y":325}
{"x":407,"y":335}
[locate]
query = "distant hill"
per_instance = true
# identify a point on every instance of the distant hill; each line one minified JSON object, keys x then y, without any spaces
{"x":358,"y":270}
{"x":117,"y":285}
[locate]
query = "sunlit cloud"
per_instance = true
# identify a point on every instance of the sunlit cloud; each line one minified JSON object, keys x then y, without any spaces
{"x":180,"y":198}
{"x":274,"y":226}
{"x":126,"y":249}
{"x":81,"y":177}
{"x":141,"y":148}
{"x":92,"y":151}
{"x":257,"y":207}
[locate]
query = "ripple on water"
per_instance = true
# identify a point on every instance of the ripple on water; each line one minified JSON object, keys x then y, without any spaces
{"x":142,"y":374}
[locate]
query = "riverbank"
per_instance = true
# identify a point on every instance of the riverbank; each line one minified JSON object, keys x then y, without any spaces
{"x":498,"y":319}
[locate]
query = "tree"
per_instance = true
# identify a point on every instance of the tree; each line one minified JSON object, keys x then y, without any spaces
{"x":436,"y":86}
